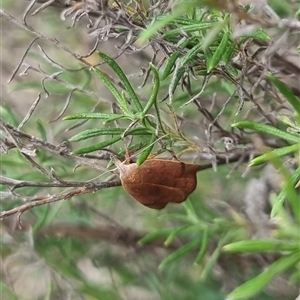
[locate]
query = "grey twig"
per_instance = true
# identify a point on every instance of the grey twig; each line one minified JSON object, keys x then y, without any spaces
{"x":43,"y":200}
{"x":30,"y":111}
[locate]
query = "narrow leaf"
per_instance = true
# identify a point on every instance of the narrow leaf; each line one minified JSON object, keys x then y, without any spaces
{"x":96,"y":132}
{"x":100,"y":116}
{"x":286,"y":92}
{"x":184,"y":21}
{"x":41,"y":219}
{"x":144,"y":155}
{"x":203,"y":248}
{"x":172,"y":59}
{"x":175,"y":81}
{"x":229,"y":51}
{"x":191,"y":54}
{"x":170,"y":64}
{"x":275,"y":153}
{"x":117,"y":95}
{"x":97,"y":146}
{"x":153,"y":97}
{"x":179,"y":253}
{"x":138,"y":131}
{"x":259,"y":246}
{"x":175,"y":233}
{"x":213,"y":258}
{"x":281,"y":197}
{"x":154,"y":94}
{"x":211,"y":262}
{"x":212,"y":35}
{"x":188,"y":28}
{"x":268,"y":130}
{"x":221,"y":49}
{"x":112,"y":63}
{"x":154,"y":236}
{"x":191,"y":212}
{"x":89,"y":133}
{"x":112,"y":119}
{"x":254,"y":286}
{"x":162,"y":22}
{"x":258,"y":34}
{"x":208,"y":56}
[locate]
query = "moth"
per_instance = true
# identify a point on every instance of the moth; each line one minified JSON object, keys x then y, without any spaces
{"x":158,"y":182}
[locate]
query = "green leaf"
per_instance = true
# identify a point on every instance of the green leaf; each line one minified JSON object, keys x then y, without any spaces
{"x":183,"y":21}
{"x":8,"y":115}
{"x":286,"y":92}
{"x":208,"y":56}
{"x":153,"y":98}
{"x":268,"y":130}
{"x":254,"y":246}
{"x":288,"y":187}
{"x":211,"y":262}
{"x":91,"y":115}
{"x":172,"y":59}
{"x":170,"y":64}
{"x":138,"y":131}
{"x":42,"y":130}
{"x":117,"y":95}
{"x":135,"y":147}
{"x":112,"y":63}
{"x":48,"y":216}
{"x":177,"y":75}
{"x":255,"y":285}
{"x":89,"y":133}
{"x":144,"y":155}
{"x":162,"y":22}
{"x":154,"y":95}
{"x":179,"y":253}
{"x":87,"y":78}
{"x":294,"y":126}
{"x":183,"y":230}
{"x":191,"y":54}
{"x":96,"y":132}
{"x":280,"y":199}
{"x":260,"y":34}
{"x":126,"y":103}
{"x":131,"y":149}
{"x":213,"y":258}
{"x":213,"y":34}
{"x":188,"y":28}
{"x":229,"y":51}
{"x":275,"y":153}
{"x":232,"y":71}
{"x":118,"y":118}
{"x":97,"y":146}
{"x":154,"y":236}
{"x":191,"y":212}
{"x":203,"y":248}
{"x":41,"y":219}
{"x":217,"y":55}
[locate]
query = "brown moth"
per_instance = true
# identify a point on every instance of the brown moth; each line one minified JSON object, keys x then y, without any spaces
{"x":158,"y":182}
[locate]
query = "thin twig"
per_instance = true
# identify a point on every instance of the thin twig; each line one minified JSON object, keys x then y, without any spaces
{"x":43,"y":200}
{"x":30,"y":111}
{"x":16,"y":184}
